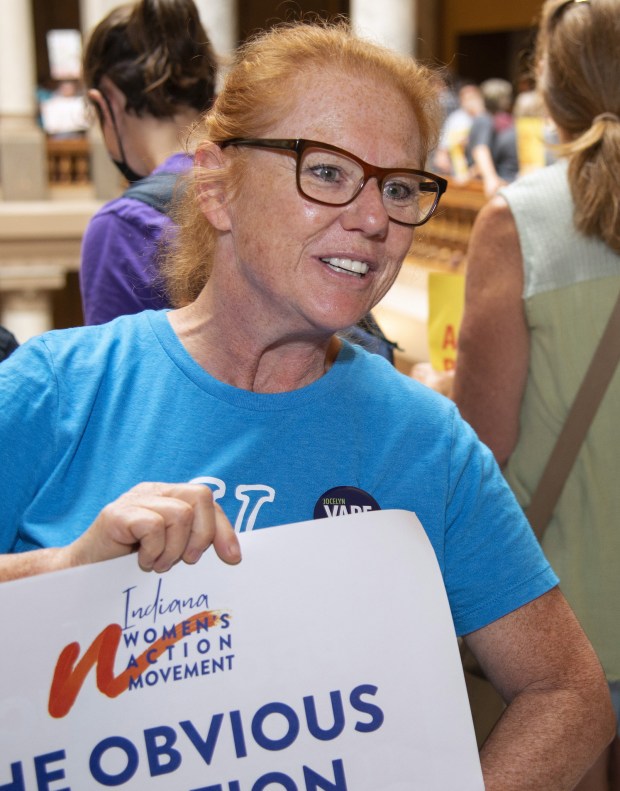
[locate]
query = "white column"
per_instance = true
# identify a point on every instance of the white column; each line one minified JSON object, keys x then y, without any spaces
{"x":23,"y":160}
{"x":219,"y":18}
{"x":26,"y":290}
{"x":27,"y":313}
{"x":390,"y":22}
{"x":93,"y":11}
{"x":17,"y":61}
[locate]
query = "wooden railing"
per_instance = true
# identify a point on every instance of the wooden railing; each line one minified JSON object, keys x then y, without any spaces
{"x":442,"y":242}
{"x":68,"y":161}
{"x":440,"y":245}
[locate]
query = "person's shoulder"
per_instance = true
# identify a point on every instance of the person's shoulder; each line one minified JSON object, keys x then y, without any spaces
{"x":540,"y":194}
{"x":494,"y":219}
{"x":67,"y":369}
{"x":115,"y":213}
{"x":89,"y":346}
{"x":179,"y":163}
{"x":380,"y":381}
{"x":135,"y":212}
{"x":482,"y":122}
{"x":128,"y":211}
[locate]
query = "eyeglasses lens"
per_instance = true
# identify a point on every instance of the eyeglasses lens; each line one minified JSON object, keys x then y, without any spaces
{"x":330,"y":177}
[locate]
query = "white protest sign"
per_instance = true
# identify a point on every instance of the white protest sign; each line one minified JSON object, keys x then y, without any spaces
{"x":325,"y":661}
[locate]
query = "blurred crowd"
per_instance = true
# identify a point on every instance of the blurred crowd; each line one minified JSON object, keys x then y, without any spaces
{"x":491,"y":134}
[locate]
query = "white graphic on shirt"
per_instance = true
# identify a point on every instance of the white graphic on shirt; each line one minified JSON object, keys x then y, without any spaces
{"x":251,"y":496}
{"x":217,"y":485}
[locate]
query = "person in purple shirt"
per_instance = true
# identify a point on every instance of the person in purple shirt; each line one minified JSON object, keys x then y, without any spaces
{"x":150,"y":71}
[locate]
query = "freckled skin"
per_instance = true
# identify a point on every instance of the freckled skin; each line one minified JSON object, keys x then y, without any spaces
{"x":278,"y":237}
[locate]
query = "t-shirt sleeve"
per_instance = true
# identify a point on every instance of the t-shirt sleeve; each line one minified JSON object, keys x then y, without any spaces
{"x":28,"y":417}
{"x":493,"y":561}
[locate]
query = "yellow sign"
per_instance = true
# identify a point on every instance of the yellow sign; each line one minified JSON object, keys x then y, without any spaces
{"x":446,"y":296}
{"x":530,"y":143}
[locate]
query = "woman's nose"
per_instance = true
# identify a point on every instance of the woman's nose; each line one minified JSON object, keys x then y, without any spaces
{"x":367,"y":212}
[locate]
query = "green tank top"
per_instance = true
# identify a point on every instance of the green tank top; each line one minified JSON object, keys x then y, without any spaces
{"x":570,"y":286}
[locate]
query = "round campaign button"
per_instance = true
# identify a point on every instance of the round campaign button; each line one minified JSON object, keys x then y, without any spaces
{"x":343,"y":500}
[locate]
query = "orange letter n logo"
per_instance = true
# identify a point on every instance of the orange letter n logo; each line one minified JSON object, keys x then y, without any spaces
{"x":70,"y":673}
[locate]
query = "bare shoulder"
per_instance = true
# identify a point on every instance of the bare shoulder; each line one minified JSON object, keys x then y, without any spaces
{"x":493,"y":346}
{"x":494,"y":243}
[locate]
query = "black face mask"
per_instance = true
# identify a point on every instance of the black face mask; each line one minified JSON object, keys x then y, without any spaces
{"x":124,"y":168}
{"x":126,"y":171}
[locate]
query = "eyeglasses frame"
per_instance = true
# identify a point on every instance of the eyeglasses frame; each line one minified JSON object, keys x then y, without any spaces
{"x":298,"y":146}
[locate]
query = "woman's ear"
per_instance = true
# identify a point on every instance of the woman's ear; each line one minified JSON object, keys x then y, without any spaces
{"x":101,"y":106}
{"x":109,"y":101}
{"x":211,"y":185}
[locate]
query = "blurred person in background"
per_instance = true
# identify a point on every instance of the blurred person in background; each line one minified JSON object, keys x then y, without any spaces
{"x":150,"y":71}
{"x":8,"y":343}
{"x":536,"y":134}
{"x":543,"y":276}
{"x":492,"y":146}
{"x":450,"y":157}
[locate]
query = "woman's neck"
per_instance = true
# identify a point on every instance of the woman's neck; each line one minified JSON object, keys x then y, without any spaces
{"x":249,"y":357}
{"x":152,"y":140}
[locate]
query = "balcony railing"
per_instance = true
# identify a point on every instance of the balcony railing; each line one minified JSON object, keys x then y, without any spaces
{"x":68,"y":161}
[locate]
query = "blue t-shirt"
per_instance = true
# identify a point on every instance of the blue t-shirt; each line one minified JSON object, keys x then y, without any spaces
{"x":86,"y":414}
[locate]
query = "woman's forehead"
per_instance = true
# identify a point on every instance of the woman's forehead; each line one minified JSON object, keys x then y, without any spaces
{"x":369,"y":117}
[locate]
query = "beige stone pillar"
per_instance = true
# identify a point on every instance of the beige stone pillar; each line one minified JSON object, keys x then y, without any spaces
{"x":390,"y":22}
{"x":27,"y":312}
{"x":93,"y":11}
{"x":220,"y":21}
{"x":23,"y":157}
{"x":403,"y":312}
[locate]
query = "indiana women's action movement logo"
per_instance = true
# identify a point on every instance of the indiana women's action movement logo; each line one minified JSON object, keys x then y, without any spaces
{"x":151,"y":648}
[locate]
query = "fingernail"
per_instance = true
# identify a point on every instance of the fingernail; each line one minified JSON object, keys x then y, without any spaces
{"x":193,"y":555}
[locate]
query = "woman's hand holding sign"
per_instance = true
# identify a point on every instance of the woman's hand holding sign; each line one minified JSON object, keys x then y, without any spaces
{"x":163,"y":523}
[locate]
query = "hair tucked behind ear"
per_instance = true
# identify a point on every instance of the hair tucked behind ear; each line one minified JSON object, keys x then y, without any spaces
{"x":159,"y":55}
{"x":578,"y":50}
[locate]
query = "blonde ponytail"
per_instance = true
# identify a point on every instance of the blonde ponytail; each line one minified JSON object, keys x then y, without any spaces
{"x":578,"y":51}
{"x":594,"y":164}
